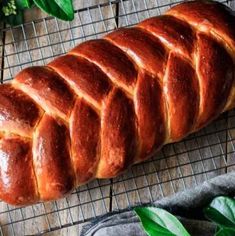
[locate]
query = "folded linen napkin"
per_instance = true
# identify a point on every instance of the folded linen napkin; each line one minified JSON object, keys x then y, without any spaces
{"x":187,"y":205}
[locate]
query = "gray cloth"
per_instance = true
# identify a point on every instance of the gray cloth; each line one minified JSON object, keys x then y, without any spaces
{"x":187,"y":205}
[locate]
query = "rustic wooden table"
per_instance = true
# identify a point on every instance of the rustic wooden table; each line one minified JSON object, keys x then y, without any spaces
{"x":183,"y":166}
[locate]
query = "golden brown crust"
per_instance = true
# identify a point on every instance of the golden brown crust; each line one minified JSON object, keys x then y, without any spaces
{"x":83,"y":76}
{"x":112,"y":102}
{"x":147,"y":51}
{"x":215,"y":70}
{"x":47,"y":89}
{"x":208,"y":16}
{"x":174,"y":33}
{"x":182,"y":98}
{"x":85,"y":133}
{"x":18,"y":113}
{"x":17,"y":180}
{"x":51,"y":158}
{"x":118,"y":135}
{"x":110,"y":60}
{"x":150,"y":113}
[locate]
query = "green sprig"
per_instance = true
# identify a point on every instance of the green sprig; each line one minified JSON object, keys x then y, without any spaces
{"x":10,"y":8}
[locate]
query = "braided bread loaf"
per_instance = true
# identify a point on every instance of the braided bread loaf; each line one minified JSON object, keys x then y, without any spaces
{"x":110,"y":103}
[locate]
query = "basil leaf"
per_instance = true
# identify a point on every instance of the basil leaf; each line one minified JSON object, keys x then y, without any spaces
{"x":151,"y":229}
{"x":22,"y":4}
{"x":67,"y":7}
{"x":222,"y":211}
{"x":225,"y":232}
{"x":63,"y":10}
{"x":157,"y":221}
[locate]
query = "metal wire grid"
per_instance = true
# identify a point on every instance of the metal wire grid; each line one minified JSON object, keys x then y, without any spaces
{"x":201,"y":156}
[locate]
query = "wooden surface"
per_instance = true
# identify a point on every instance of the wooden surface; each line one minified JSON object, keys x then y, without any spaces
{"x":170,"y":171}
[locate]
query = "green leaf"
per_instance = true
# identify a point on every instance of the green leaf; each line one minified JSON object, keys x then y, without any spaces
{"x":157,"y":221}
{"x":151,"y":229}
{"x":15,"y":19}
{"x":225,"y":232}
{"x":22,"y":4}
{"x":222,"y":211}
{"x":67,"y":7}
{"x":58,"y":8}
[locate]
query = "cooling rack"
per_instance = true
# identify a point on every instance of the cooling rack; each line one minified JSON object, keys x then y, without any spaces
{"x":201,"y":156}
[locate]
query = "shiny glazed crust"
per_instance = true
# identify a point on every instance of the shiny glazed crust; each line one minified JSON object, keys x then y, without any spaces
{"x":112,"y":102}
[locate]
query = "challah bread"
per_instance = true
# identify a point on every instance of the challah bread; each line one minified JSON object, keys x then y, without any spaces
{"x":112,"y":102}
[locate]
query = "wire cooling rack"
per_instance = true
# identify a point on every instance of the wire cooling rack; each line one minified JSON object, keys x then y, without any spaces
{"x":201,"y":156}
